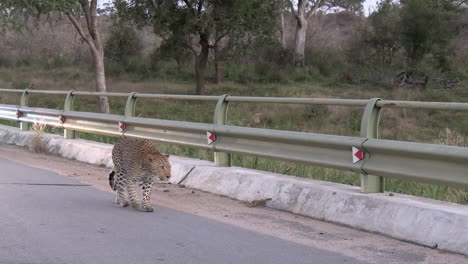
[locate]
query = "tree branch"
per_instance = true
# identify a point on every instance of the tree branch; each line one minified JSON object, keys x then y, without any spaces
{"x":317,"y":5}
{"x":200,"y":6}
{"x":81,"y":32}
{"x":194,"y":51}
{"x":85,"y":6}
{"x":291,"y":6}
{"x":93,"y":31}
{"x":93,"y":12}
{"x":219,"y":38}
{"x":189,"y":5}
{"x":90,"y":14}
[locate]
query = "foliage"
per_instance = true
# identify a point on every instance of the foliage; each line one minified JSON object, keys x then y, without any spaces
{"x":426,"y":27}
{"x":16,"y":12}
{"x":174,"y":48}
{"x":201,"y":25}
{"x":383,"y":34}
{"x":248,"y":50}
{"x":123,"y":45}
{"x":354,"y":6}
{"x":185,"y":22}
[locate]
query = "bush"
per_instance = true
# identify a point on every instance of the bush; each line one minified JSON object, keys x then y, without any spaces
{"x":427,"y":26}
{"x":6,"y":61}
{"x":383,"y":33}
{"x":327,"y":62}
{"x":122,"y":50}
{"x":173,"y":48}
{"x":21,"y":85}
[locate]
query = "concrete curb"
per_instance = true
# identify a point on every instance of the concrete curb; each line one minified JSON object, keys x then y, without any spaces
{"x":426,"y":222}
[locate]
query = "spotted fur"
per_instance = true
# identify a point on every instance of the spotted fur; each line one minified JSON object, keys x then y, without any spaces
{"x":137,"y":161}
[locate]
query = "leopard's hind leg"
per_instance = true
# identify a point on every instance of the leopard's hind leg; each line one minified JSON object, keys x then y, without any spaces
{"x":120,"y":184}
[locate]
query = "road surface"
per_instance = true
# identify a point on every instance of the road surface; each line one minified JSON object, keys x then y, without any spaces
{"x":46,"y":217}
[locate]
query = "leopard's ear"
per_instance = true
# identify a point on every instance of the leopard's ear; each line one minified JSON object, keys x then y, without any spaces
{"x":149,"y":158}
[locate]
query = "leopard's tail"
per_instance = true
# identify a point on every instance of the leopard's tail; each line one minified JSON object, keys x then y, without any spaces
{"x":112,"y":180}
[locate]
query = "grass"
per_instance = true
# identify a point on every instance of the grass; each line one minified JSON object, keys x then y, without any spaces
{"x":443,"y":127}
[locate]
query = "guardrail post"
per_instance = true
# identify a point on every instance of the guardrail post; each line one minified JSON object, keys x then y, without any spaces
{"x":130,"y":105}
{"x":370,"y":129}
{"x":24,"y":126}
{"x":68,"y":106}
{"x":221,"y":159}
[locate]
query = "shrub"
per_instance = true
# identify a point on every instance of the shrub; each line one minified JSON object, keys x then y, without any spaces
{"x":20,"y":85}
{"x":327,"y":62}
{"x":122,"y":49}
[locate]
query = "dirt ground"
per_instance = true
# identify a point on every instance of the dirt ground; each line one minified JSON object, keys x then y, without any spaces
{"x":365,"y":246}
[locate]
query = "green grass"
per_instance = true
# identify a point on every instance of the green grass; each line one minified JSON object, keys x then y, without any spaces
{"x":9,"y":123}
{"x":399,"y":124}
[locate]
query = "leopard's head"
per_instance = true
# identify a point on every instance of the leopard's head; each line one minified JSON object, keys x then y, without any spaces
{"x":159,"y":165}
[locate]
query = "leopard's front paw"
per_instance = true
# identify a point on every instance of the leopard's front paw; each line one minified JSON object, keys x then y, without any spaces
{"x":123,"y":204}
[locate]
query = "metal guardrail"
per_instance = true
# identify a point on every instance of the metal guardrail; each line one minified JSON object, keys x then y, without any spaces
{"x":386,"y":158}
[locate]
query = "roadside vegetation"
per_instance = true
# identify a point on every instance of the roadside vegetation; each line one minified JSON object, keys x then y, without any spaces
{"x":413,"y":50}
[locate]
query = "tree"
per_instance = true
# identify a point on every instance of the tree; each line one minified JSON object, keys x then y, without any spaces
{"x":200,"y":25}
{"x":239,"y":23}
{"x":383,"y":34}
{"x":174,"y":48}
{"x":12,"y":10}
{"x":427,"y":26}
{"x":303,"y":10}
{"x":123,"y":43}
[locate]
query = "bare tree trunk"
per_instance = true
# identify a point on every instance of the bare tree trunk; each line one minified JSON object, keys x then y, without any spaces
{"x":218,"y":73}
{"x":283,"y":34}
{"x":95,"y":45}
{"x":299,"y":48}
{"x":200,"y":76}
{"x":100,"y":74}
{"x":302,"y":18}
{"x":200,"y":64}
{"x":179,"y":64}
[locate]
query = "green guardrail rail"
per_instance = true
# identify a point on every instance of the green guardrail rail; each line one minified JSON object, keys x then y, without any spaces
{"x":373,"y":158}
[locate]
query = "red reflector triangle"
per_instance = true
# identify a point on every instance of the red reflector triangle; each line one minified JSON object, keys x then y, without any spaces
{"x":210,"y":137}
{"x":358,"y":154}
{"x":122,"y":126}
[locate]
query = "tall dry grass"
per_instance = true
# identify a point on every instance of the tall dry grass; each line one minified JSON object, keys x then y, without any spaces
{"x":38,"y":143}
{"x":453,"y":138}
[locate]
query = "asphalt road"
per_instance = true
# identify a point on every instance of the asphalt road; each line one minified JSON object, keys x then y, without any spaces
{"x":48,"y":218}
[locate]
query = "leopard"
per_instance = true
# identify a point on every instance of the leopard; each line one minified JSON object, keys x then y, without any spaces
{"x":137,"y":162}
